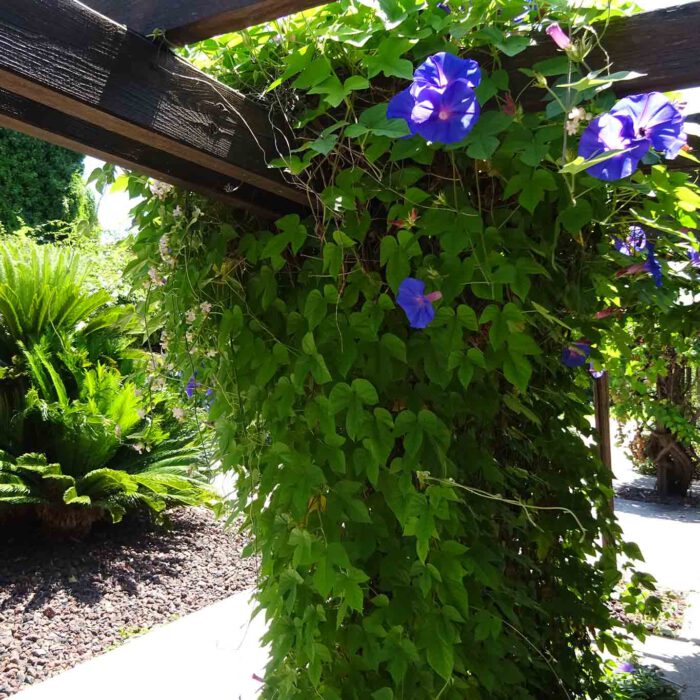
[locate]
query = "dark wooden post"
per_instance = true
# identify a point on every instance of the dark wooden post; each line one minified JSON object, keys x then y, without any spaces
{"x":601,"y":401}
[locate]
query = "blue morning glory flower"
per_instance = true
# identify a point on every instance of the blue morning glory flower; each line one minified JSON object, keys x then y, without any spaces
{"x":440,"y":105}
{"x":636,"y":241}
{"x":694,"y":257}
{"x":656,"y":120}
{"x":576,"y":354}
{"x":635,"y":124}
{"x":417,"y":305}
{"x":652,"y":265}
{"x":192,"y":386}
{"x":442,"y":69}
{"x":444,"y":7}
{"x":612,"y":133}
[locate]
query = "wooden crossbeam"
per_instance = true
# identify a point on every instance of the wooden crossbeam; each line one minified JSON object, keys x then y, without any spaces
{"x":48,"y":124}
{"x":663,"y":44}
{"x":64,"y":56}
{"x":185,"y":21}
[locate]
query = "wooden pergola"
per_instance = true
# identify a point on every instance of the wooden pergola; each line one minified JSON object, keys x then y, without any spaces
{"x":89,"y":77}
{"x":98,"y":77}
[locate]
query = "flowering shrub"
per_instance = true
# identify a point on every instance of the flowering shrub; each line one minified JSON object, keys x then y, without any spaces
{"x":400,"y":380}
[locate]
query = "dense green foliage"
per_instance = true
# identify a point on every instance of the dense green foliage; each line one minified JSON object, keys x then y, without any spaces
{"x":78,"y":440}
{"x":42,"y":187}
{"x":430,"y":520}
{"x":655,"y":388}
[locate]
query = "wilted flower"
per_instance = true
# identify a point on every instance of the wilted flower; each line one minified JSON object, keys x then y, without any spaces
{"x":141,"y":413}
{"x":212,"y":353}
{"x":576,"y":354}
{"x":177,"y":212}
{"x":117,"y":430}
{"x":509,"y":106}
{"x":635,"y":242}
{"x":634,"y":125}
{"x":205,"y":306}
{"x":605,"y":312}
{"x":417,"y":305}
{"x":139,"y":447}
{"x":441,"y":104}
{"x":191,"y":316}
{"x":559,"y":36}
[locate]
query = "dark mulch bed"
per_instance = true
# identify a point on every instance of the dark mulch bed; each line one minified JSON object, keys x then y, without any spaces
{"x":647,"y":495}
{"x":64,"y":602}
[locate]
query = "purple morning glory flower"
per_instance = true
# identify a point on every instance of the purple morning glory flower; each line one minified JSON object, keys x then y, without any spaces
{"x":417,"y":305}
{"x":444,"y":7}
{"x":694,"y":257}
{"x":440,"y":105}
{"x":656,"y":120}
{"x":576,"y":354}
{"x":610,"y":132}
{"x":635,"y":241}
{"x":652,"y":265}
{"x":625,"y":667}
{"x":595,"y":373}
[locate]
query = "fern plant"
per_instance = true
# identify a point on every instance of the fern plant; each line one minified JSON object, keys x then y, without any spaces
{"x":77,"y":441}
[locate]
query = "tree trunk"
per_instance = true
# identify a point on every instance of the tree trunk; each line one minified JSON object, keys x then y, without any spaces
{"x":675,"y":462}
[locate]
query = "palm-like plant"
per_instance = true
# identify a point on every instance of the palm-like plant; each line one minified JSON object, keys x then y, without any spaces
{"x":69,"y":420}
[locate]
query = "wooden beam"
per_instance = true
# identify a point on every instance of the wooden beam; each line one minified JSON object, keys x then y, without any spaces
{"x":48,"y":124}
{"x":664,"y":44}
{"x":601,"y":403}
{"x":61,"y":54}
{"x":186,"y":21}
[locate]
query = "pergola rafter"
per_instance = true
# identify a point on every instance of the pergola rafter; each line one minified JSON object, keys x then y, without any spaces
{"x":185,"y":21}
{"x":113,"y":90}
{"x":72,"y":75}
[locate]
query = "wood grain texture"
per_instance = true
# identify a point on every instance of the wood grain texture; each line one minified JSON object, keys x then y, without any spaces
{"x":43,"y":122}
{"x":664,"y":44}
{"x":62,"y":54}
{"x":186,"y":21}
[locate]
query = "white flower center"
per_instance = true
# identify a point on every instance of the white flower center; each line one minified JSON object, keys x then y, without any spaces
{"x":443,"y":114}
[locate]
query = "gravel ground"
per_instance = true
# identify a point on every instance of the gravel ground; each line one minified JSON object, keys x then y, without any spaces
{"x":64,"y":602}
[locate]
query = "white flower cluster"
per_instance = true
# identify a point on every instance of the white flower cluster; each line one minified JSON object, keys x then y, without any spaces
{"x":160,"y":189}
{"x":576,"y":116}
{"x":156,"y":278}
{"x":166,"y":252}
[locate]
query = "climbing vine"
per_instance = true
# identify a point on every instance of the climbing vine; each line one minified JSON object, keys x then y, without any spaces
{"x":401,"y":380}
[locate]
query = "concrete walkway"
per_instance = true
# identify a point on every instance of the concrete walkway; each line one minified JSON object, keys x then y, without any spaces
{"x":667,"y":536}
{"x":212,"y":654}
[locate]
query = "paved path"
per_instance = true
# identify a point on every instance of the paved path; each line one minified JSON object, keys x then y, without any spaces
{"x":209,"y":655}
{"x":667,"y":536}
